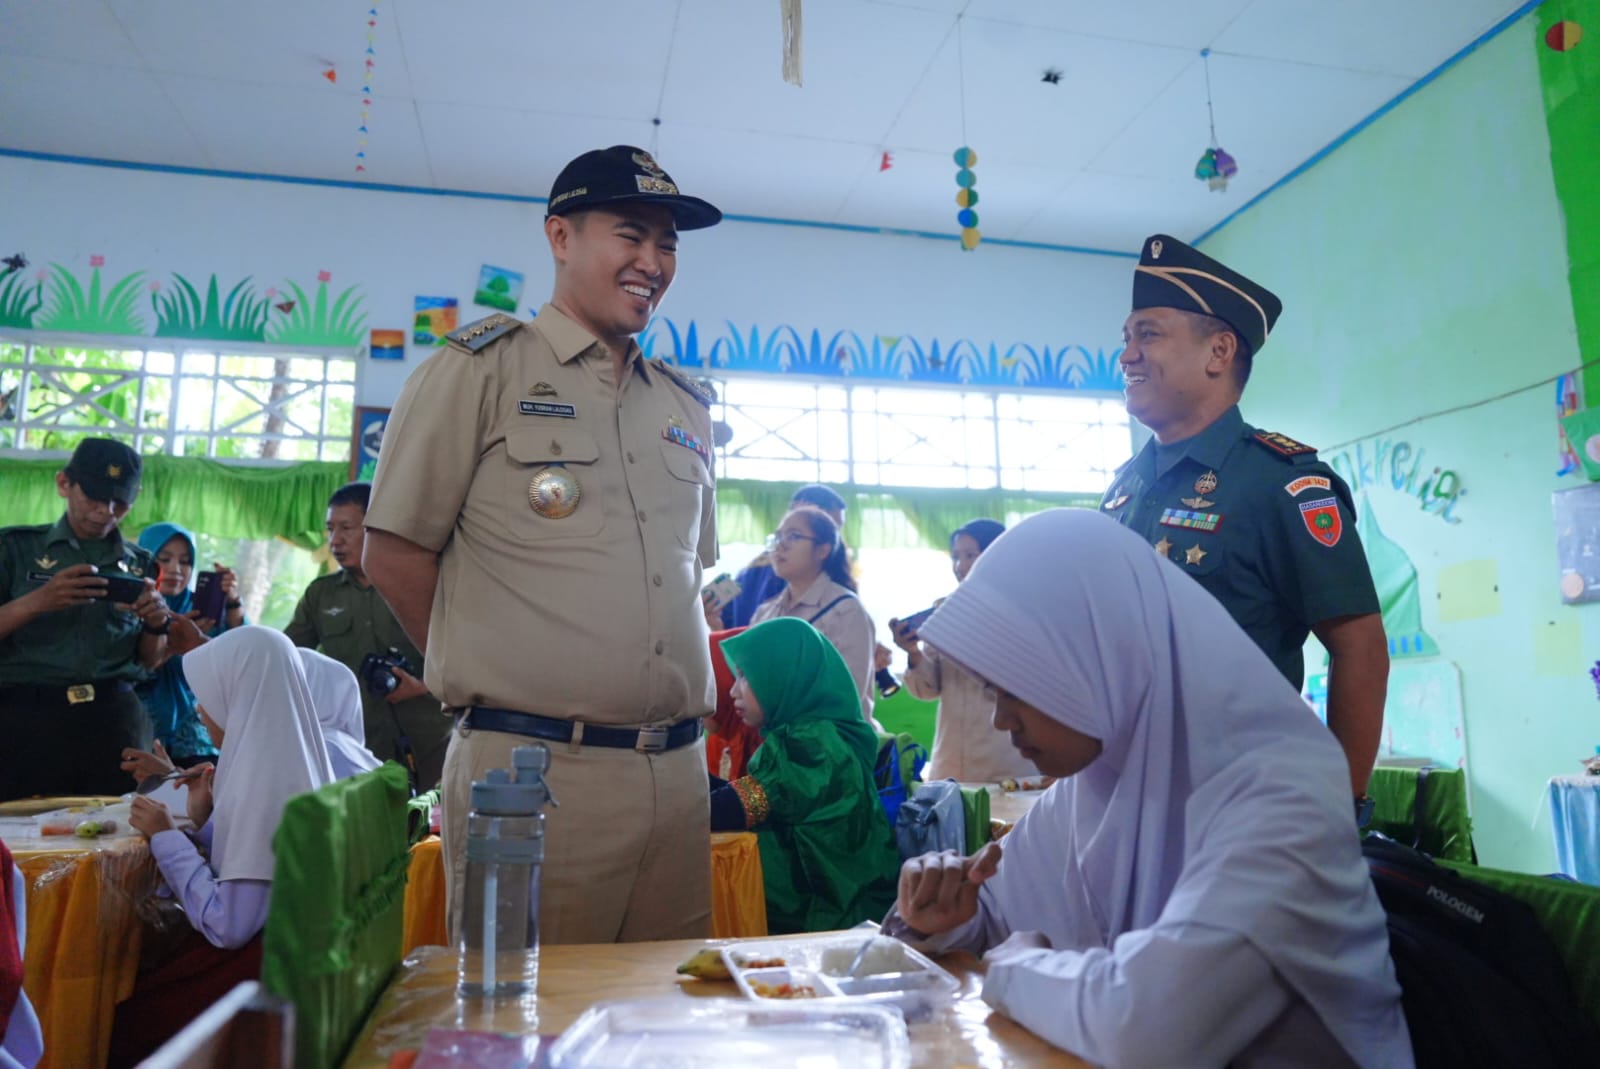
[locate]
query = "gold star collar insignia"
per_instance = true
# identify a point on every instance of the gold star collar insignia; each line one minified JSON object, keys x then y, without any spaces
{"x":1163,"y":547}
{"x":1194,"y":554}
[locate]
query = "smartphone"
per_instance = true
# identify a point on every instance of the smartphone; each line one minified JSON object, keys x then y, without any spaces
{"x":720,"y":591}
{"x":123,"y":589}
{"x":915,"y":621}
{"x":208,"y":595}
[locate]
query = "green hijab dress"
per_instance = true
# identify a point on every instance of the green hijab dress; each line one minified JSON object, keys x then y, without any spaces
{"x":827,"y":855}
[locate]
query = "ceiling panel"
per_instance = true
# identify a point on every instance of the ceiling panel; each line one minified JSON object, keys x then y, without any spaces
{"x":495,"y":97}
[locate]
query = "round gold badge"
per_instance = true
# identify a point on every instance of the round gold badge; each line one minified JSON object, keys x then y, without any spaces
{"x":554,"y":493}
{"x":1206,"y":483}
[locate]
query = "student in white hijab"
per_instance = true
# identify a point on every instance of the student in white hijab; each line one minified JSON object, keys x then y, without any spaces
{"x":336,"y":696}
{"x":251,"y":691}
{"x":1193,"y":891}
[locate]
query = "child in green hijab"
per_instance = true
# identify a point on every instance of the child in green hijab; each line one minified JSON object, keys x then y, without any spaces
{"x":827,"y":855}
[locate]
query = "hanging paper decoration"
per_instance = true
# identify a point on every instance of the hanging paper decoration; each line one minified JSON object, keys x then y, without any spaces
{"x":332,"y":76}
{"x":966,"y":197}
{"x":1215,"y":165}
{"x":1563,"y":36}
{"x":366,"y":89}
{"x":887,"y":161}
{"x":789,"y":11}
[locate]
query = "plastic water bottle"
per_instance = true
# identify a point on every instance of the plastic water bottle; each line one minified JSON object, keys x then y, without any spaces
{"x":499,"y":940}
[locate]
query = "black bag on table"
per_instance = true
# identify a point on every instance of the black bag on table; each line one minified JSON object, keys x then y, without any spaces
{"x":1481,"y":983}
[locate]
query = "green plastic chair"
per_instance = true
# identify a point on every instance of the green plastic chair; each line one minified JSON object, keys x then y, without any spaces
{"x":904,"y":713}
{"x":333,"y":932}
{"x":1568,"y":911}
{"x":1446,"y":832}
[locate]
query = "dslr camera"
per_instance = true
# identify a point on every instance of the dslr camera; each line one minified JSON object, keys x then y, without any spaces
{"x":377,"y":671}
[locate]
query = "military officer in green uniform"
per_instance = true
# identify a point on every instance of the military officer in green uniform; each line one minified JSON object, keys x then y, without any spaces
{"x":1252,"y":515}
{"x":72,"y":648}
{"x":344,"y":616}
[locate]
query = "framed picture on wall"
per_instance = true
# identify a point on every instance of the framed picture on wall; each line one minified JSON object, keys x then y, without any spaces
{"x":366,"y":441}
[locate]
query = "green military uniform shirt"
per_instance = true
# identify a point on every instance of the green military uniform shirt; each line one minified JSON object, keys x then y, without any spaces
{"x":347,"y":621}
{"x":1258,"y":521}
{"x":77,"y":645}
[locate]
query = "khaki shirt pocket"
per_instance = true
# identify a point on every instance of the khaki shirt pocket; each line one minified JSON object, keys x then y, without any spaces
{"x":685,"y":491}
{"x":555,"y":469}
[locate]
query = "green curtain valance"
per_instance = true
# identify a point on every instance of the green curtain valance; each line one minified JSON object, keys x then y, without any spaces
{"x":222,"y":500}
{"x":882,"y":517}
{"x":290,"y":502}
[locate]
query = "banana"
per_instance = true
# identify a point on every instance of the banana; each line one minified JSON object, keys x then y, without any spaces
{"x":706,"y":964}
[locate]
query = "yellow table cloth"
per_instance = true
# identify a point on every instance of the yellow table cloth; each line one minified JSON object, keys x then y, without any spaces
{"x":738,"y":897}
{"x":84,"y":936}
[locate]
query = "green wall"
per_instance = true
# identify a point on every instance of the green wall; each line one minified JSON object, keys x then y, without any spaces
{"x":1423,"y":266}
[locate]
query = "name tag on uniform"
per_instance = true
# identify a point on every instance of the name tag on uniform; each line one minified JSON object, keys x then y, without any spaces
{"x":40,"y":577}
{"x":547,"y":408}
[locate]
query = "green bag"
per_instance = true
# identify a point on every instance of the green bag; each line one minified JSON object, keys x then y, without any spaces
{"x":975,"y":803}
{"x":335,"y":920}
{"x":1440,"y":827}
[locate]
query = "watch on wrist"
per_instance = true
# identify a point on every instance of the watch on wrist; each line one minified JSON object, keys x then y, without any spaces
{"x":166,"y":625}
{"x":1364,"y":804}
{"x":231,"y":605}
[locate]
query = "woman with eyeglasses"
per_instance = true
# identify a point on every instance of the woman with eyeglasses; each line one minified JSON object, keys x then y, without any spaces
{"x":808,"y":554}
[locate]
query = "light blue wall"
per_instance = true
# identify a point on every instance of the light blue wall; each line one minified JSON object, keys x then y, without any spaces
{"x":1422,"y":267}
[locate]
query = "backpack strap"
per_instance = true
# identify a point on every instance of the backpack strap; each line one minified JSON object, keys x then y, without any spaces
{"x":824,"y":610}
{"x":1419,"y":808}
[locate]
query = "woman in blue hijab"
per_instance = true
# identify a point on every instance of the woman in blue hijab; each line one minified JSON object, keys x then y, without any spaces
{"x":180,"y":737}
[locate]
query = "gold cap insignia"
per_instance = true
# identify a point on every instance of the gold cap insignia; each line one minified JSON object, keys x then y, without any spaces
{"x":650,"y":184}
{"x":644,"y":161}
{"x":114,"y":470}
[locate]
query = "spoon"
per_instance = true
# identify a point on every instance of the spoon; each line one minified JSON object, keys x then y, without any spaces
{"x":150,"y":783}
{"x":861,"y":957}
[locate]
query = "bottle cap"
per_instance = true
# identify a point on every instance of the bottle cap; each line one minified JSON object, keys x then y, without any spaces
{"x":522,"y":792}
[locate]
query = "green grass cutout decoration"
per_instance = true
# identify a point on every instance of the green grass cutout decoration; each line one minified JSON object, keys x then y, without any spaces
{"x":315,"y":323}
{"x":19,"y":302}
{"x":182,"y":314}
{"x":71,"y":309}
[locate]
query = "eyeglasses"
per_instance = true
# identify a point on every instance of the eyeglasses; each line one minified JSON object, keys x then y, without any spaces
{"x":787,"y":538}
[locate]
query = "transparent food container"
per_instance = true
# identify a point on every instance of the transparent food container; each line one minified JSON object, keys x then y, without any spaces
{"x":682,"y":1033}
{"x":891,"y":973}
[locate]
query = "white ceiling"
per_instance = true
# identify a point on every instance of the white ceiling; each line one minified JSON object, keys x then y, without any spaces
{"x":495,"y":96}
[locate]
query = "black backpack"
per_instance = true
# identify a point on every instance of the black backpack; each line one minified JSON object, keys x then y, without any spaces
{"x":1481,"y":983}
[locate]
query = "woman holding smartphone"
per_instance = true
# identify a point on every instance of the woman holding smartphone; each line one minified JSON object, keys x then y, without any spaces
{"x":180,"y":739}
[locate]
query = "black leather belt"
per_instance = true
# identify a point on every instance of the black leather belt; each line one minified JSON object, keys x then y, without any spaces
{"x":645,"y":740}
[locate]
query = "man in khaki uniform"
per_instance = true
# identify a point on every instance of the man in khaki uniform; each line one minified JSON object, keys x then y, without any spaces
{"x":541,"y":515}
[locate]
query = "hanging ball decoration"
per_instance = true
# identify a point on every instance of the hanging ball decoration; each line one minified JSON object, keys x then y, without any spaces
{"x":1214,"y":168}
{"x":966,"y":197}
{"x":1563,"y":36}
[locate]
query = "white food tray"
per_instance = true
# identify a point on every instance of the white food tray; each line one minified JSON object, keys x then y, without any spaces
{"x":807,"y":970}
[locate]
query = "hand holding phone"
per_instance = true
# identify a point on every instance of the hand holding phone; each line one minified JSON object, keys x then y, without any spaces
{"x":209,"y":597}
{"x":121,"y":588}
{"x":911,"y":624}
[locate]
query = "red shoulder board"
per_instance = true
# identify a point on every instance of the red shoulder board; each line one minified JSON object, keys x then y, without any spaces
{"x":1282,"y":444}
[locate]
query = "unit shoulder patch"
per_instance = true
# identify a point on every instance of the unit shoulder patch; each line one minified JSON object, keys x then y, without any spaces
{"x":684,"y":382}
{"x":1283,"y":445}
{"x":476,"y":336}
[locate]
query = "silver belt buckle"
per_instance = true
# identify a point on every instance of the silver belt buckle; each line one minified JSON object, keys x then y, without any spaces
{"x":651,"y":740}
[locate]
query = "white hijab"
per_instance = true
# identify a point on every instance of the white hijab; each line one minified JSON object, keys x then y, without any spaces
{"x":250,"y":682}
{"x":1219,"y":799}
{"x":336,"y":697}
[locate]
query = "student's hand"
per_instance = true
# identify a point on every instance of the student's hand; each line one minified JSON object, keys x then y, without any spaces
{"x":1016,"y":946}
{"x":882,"y":656}
{"x":200,"y":799}
{"x":939,"y":892}
{"x":713,"y":612}
{"x":69,"y":588}
{"x":149,"y":817}
{"x":410,"y":687}
{"x":904,"y":636}
{"x":185,"y":635}
{"x":139,"y":763}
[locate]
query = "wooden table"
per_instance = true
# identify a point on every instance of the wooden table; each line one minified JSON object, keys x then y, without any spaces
{"x":572,"y":978}
{"x":84,"y":936}
{"x":738,"y":897}
{"x":1010,"y":805}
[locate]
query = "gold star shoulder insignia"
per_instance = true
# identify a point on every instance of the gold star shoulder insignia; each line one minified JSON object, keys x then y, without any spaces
{"x":1163,"y":547}
{"x":1194,"y":554}
{"x":46,"y":561}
